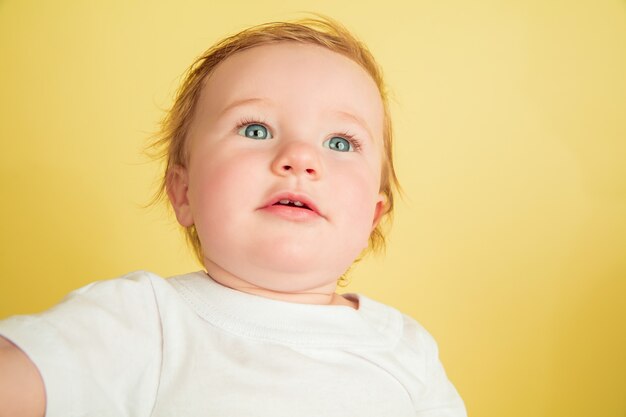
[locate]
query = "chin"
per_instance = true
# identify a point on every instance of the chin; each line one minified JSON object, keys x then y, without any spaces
{"x":308,"y":264}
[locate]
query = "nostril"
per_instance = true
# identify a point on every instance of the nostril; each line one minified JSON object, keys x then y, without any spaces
{"x":310,"y":171}
{"x":286,"y":167}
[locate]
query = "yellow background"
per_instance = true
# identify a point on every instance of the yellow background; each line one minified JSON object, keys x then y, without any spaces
{"x":510,"y":246}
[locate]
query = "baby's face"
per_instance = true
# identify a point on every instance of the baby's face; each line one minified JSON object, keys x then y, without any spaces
{"x":284,"y":166}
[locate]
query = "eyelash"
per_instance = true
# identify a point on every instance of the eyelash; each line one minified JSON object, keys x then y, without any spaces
{"x":356,"y":143}
{"x":247,"y":121}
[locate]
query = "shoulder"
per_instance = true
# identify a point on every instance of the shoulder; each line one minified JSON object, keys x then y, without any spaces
{"x":414,"y":361}
{"x":132,"y":283}
{"x":401,"y":327}
{"x":98,"y":306}
{"x":123,"y":307}
{"x":96,"y":333}
{"x":132,"y":291}
{"x":414,"y":345}
{"x":416,"y":335}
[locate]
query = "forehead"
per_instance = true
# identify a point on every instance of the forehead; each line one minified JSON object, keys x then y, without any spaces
{"x":300,"y":79}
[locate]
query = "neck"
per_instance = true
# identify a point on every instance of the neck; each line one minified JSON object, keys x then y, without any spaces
{"x":321,"y":295}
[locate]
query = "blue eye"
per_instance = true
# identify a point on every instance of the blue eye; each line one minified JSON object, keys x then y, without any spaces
{"x":255,"y":131}
{"x":339,"y":144}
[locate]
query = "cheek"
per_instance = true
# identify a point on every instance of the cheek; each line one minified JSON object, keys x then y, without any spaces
{"x":217,"y":190}
{"x":357,"y":200}
{"x":360,"y":180}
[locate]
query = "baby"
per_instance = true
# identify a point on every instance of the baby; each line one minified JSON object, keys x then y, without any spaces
{"x":279,"y":166}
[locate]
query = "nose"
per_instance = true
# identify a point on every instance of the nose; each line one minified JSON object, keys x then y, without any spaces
{"x":297,"y":158}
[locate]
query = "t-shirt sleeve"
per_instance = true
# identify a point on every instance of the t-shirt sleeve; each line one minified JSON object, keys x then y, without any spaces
{"x":438,"y":396}
{"x":98,"y":351}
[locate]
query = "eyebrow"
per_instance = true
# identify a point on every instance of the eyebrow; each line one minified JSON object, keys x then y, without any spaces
{"x":360,"y":121}
{"x":237,"y":103}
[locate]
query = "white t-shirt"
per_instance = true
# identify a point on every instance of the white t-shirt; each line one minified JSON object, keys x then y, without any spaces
{"x":142,"y":346}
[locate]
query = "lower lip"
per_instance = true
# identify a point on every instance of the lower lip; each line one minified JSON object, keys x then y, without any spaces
{"x":291,"y":213}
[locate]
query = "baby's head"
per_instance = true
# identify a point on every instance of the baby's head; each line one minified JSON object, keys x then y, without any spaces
{"x":278,"y":153}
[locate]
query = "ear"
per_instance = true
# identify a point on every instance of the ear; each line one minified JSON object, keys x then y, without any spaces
{"x":380,"y":210}
{"x":177,"y":185}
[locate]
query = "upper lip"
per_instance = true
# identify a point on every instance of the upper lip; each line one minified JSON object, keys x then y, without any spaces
{"x":293,"y":196}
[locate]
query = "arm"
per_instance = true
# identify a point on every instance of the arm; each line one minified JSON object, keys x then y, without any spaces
{"x":97,"y":352}
{"x":434,"y":394}
{"x":22,"y":392}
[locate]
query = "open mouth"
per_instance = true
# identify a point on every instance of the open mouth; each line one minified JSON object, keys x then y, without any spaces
{"x":294,"y":206}
{"x":292,"y":203}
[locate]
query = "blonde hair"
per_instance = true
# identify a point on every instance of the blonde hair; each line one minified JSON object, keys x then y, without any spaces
{"x":169,"y":144}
